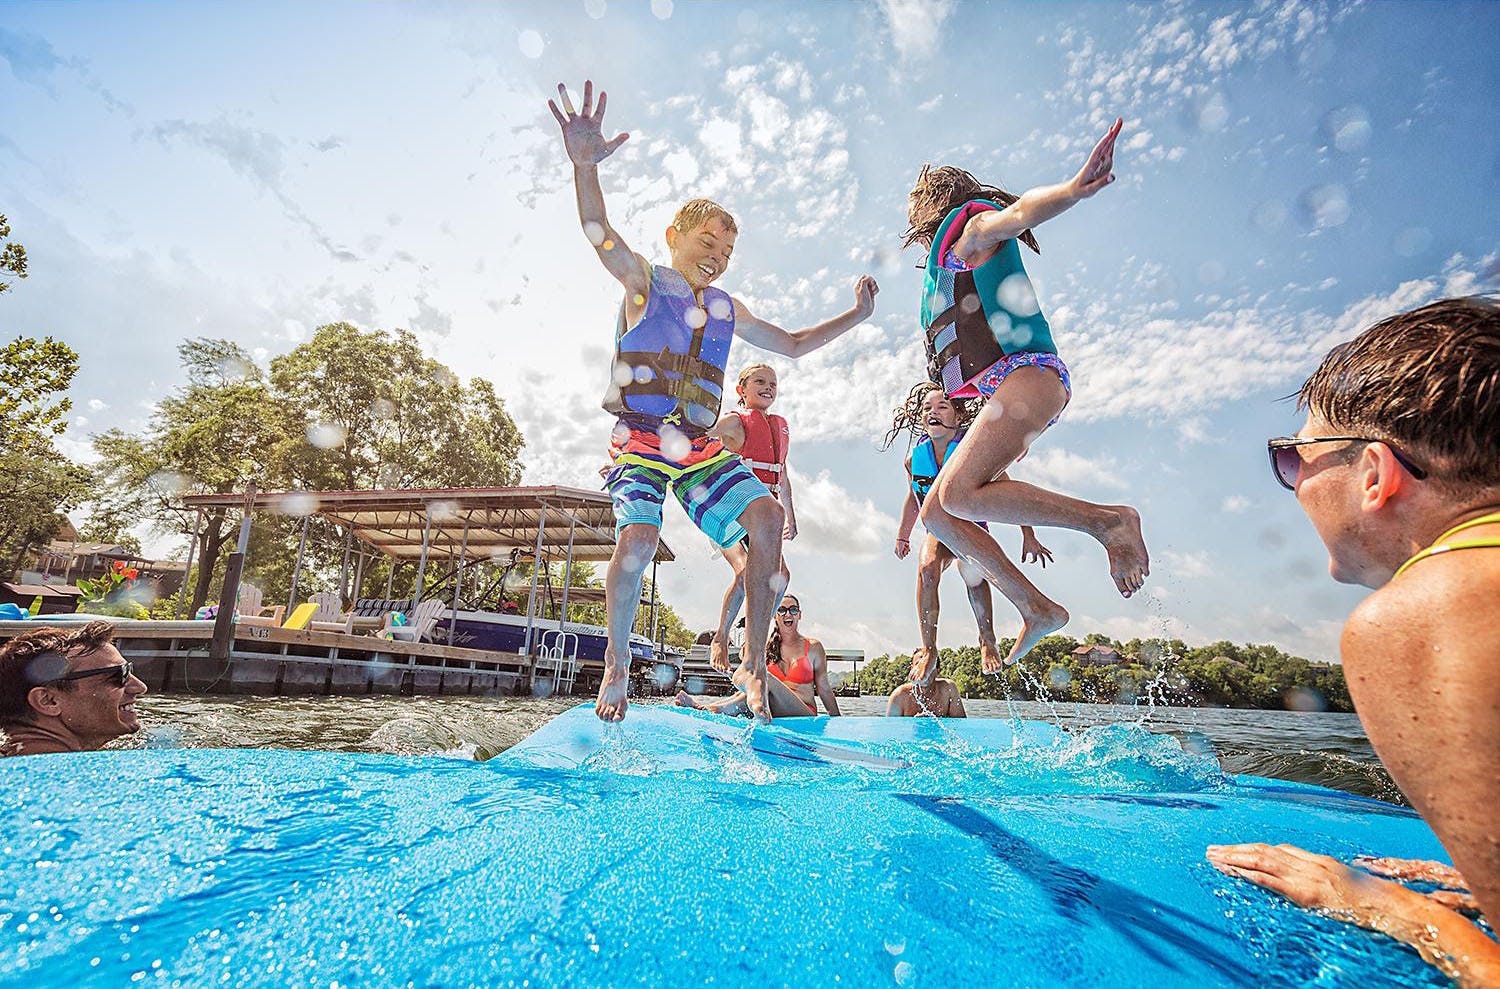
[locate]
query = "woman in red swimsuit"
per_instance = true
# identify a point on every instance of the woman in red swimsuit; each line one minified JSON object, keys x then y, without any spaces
{"x":798,"y":667}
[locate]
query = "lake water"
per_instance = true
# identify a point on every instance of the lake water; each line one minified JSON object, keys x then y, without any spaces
{"x":1326,"y":749}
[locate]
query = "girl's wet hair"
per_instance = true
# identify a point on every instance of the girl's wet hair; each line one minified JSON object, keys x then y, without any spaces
{"x":942,"y":189}
{"x":910,"y":418}
{"x":773,"y":642}
{"x":749,"y":370}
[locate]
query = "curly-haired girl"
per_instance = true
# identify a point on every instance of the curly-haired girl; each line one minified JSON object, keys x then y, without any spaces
{"x":939,"y":424}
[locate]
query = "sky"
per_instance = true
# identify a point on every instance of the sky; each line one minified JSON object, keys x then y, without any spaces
{"x":1287,"y":174}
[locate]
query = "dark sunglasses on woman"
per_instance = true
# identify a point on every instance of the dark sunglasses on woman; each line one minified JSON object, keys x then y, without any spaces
{"x":1286,"y":462}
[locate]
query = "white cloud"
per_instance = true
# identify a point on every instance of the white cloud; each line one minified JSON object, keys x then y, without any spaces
{"x":830,"y":520}
{"x":916,"y":26}
{"x":1190,"y":566}
{"x":1064,"y":470}
{"x":1235,"y":505}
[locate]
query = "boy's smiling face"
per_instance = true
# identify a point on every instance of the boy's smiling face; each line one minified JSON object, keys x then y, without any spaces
{"x":701,"y":255}
{"x":939,"y":417}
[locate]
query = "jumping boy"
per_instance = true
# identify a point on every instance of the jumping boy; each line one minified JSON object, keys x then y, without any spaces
{"x":671,"y":347}
{"x":941,"y":423}
{"x":761,"y":439}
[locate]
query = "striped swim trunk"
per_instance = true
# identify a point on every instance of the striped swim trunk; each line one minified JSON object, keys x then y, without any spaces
{"x":711,"y":484}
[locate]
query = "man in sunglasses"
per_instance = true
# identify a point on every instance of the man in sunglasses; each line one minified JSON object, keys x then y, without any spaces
{"x":65,"y":690}
{"x":1398,"y":468}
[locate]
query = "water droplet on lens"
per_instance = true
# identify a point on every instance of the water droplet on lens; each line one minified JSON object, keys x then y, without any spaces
{"x":720,"y":308}
{"x":1324,"y":206}
{"x":1270,"y":215}
{"x":1412,"y":241}
{"x":1017,"y":295}
{"x":326,"y":435}
{"x":662,"y":9}
{"x":594,"y":232}
{"x":695,"y":318}
{"x":595,"y":8}
{"x":531,"y":44}
{"x":299,"y":504}
{"x":1347,"y":128}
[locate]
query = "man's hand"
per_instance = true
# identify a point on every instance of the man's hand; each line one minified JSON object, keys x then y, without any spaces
{"x":1316,"y":882}
{"x":789,"y":531}
{"x":1097,"y":172}
{"x":865,"y":291}
{"x":583,"y":133}
{"x":1032,"y":550}
{"x":903,"y":548}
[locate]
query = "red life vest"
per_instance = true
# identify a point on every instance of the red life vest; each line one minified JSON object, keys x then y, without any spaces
{"x":764,"y":452}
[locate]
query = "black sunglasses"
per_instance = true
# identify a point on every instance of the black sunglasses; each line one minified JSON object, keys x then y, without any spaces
{"x":789,"y":610}
{"x":1286,"y":461}
{"x":118,"y":675}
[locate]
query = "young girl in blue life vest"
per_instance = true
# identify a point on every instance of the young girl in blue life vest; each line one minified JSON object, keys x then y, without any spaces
{"x":762,"y":439}
{"x":671,"y":344}
{"x":987,"y":338}
{"x":940,"y":424}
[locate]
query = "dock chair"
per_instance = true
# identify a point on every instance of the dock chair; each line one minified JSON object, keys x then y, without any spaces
{"x":301,"y":615}
{"x":248,"y":610}
{"x":419,"y":622}
{"x":330,"y":616}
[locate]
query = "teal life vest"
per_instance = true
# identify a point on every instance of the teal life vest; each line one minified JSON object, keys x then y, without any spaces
{"x":971,"y":319}
{"x":669,"y":367}
{"x":924,"y":465}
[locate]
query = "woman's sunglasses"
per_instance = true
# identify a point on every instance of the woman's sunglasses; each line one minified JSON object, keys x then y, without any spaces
{"x":1286,"y":462}
{"x":789,"y":610}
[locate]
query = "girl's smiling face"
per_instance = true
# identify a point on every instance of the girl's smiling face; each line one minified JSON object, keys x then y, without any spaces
{"x":939,"y":417}
{"x":757,"y":390}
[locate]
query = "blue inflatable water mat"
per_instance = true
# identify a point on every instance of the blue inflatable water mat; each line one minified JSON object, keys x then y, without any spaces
{"x":680,"y":848}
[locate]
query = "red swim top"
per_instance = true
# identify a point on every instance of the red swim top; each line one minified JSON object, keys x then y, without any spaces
{"x":802,"y":671}
{"x":764,"y":452}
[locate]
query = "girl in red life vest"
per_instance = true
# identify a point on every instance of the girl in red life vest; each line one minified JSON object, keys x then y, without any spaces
{"x":761,"y":439}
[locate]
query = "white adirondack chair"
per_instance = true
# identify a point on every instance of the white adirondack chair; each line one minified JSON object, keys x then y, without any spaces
{"x":331,"y":616}
{"x":419,"y":622}
{"x":249,"y":610}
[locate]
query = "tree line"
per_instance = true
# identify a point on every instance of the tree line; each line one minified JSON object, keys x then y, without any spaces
{"x":1163,"y":671}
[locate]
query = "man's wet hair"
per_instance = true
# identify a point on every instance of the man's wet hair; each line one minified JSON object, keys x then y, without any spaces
{"x":1428,"y":382}
{"x":695,"y":212}
{"x":34,"y":658}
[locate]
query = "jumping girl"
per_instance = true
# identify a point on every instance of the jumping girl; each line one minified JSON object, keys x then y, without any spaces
{"x":941,"y":424}
{"x":761,"y":439}
{"x":986,"y":337}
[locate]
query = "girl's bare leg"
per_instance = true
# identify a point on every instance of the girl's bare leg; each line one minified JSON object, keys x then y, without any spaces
{"x":1040,"y":615}
{"x":734,"y":598}
{"x":934,"y":560}
{"x":970,"y":486}
{"x":983,"y":606}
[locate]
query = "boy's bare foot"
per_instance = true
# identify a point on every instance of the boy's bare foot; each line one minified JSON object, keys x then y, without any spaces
{"x":685,"y":699}
{"x":923,"y":665}
{"x":1129,"y":563}
{"x":989,"y":657}
{"x":1034,"y":628}
{"x":611,"y":703}
{"x":718,"y":655}
{"x":754,"y":686}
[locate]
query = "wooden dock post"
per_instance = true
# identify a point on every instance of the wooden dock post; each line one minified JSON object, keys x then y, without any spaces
{"x":223,"y":639}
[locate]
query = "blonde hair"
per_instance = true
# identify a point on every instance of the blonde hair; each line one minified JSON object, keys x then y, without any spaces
{"x":749,"y":370}
{"x":695,"y":212}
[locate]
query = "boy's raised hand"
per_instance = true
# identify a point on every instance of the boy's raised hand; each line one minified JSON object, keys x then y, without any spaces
{"x":865,"y":291}
{"x":1098,"y":172}
{"x":583,"y":132}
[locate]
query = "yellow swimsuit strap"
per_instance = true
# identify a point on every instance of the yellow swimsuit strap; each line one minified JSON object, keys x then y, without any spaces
{"x":1441,"y":544}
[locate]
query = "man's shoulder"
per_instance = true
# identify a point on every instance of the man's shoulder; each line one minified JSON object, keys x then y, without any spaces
{"x":1443,"y":598}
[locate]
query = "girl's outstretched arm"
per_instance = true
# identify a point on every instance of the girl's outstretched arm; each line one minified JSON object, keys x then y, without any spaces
{"x":583,"y":137}
{"x":909,"y":512}
{"x":988,"y":230}
{"x":794,"y":343}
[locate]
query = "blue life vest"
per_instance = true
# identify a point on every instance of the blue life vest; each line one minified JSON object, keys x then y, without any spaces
{"x":971,"y":319}
{"x":669,"y":367}
{"x":924,"y":465}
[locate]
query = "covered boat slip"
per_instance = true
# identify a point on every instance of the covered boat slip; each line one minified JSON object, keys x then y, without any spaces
{"x":454,"y":537}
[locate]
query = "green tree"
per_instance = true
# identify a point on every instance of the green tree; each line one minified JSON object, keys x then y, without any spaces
{"x":12,"y":255}
{"x":37,"y":483}
{"x":215,"y":433}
